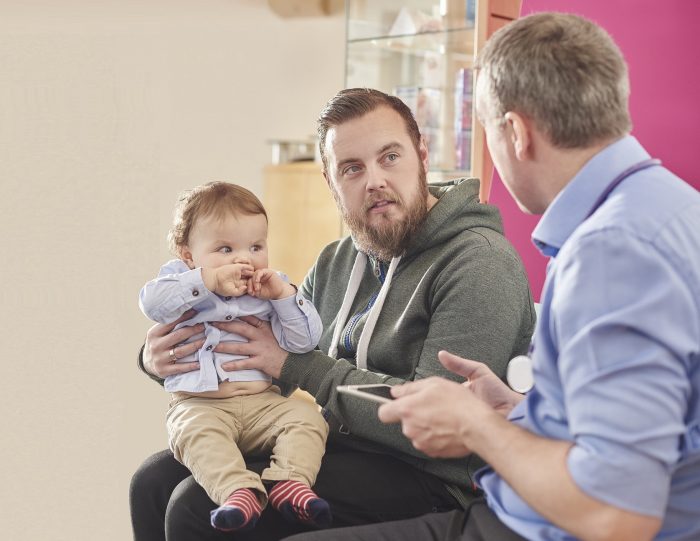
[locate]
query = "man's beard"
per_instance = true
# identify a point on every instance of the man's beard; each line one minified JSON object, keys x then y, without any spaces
{"x":390,"y":237}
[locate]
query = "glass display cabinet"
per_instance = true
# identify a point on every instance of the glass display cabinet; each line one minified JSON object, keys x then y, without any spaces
{"x":423,"y":52}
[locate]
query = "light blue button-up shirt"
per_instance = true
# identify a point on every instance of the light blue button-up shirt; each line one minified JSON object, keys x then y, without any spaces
{"x":616,"y":357}
{"x":294,"y":320}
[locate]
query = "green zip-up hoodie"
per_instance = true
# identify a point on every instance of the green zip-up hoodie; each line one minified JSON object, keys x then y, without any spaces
{"x":460,"y":286}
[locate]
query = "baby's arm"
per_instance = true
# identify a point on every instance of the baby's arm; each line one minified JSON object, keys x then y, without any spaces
{"x":269,"y":285}
{"x":173,"y":292}
{"x":294,"y":320}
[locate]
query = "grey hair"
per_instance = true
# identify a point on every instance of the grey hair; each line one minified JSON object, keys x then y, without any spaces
{"x":562,"y":71}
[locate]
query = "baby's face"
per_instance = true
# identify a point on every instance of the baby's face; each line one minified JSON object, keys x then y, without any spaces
{"x":234,"y":239}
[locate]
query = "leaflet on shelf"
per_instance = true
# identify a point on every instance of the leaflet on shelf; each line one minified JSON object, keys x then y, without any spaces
{"x":463,"y":118}
{"x":425,"y":104}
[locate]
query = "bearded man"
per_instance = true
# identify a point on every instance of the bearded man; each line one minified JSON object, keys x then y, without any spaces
{"x":426,"y":268}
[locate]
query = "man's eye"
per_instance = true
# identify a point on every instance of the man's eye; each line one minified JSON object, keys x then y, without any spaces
{"x":225,"y":250}
{"x":351,"y":170}
{"x":392,"y":157}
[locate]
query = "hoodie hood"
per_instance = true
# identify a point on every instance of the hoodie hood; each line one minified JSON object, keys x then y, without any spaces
{"x":457,"y":209}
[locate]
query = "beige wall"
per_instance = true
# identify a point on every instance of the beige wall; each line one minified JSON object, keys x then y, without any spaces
{"x":107,"y":109}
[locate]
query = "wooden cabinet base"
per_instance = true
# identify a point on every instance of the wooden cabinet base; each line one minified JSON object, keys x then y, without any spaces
{"x":302,"y":216}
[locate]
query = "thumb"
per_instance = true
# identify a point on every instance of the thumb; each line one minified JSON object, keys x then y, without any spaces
{"x":404,"y":389}
{"x":464,"y":367}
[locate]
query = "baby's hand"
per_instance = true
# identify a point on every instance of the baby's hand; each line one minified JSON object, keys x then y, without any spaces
{"x":267,"y":284}
{"x":228,"y":280}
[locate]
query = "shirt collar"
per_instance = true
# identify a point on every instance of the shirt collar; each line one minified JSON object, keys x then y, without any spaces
{"x":571,"y":205}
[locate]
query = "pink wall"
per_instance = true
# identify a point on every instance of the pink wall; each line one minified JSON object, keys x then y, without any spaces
{"x":661,"y":43}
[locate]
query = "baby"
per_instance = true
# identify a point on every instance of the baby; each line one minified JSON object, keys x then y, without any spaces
{"x":219,"y":235}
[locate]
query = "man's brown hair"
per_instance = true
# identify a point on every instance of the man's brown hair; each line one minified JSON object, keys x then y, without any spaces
{"x":356,"y":102}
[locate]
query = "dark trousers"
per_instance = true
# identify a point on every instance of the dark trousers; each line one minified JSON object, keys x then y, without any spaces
{"x":361,"y":488}
{"x":477,"y":523}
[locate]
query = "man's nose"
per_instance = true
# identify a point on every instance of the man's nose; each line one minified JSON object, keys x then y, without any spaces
{"x":375,"y":179}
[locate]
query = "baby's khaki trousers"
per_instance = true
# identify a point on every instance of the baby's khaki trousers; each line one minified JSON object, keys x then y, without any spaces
{"x":211,"y":435}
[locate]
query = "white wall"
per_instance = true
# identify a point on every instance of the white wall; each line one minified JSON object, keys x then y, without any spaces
{"x":108,"y":109}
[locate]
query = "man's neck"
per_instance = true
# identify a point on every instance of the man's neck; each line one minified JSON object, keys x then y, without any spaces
{"x":430,"y":202}
{"x":564,"y":164}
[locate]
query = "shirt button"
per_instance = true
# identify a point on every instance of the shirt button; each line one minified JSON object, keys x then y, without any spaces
{"x":209,"y":348}
{"x":229,"y":318}
{"x":195,"y":292}
{"x":301,"y":302}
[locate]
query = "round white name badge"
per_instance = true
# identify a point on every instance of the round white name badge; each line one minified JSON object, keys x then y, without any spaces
{"x":519,"y":374}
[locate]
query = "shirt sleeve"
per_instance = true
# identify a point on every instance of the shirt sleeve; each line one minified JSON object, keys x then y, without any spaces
{"x":173,"y":292}
{"x":296,"y":323}
{"x":623,"y":367}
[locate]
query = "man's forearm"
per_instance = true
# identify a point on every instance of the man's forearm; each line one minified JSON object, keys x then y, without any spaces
{"x":312,"y":371}
{"x":319,"y":374}
{"x":536,"y":468}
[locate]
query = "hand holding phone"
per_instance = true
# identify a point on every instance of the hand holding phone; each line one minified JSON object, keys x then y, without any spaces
{"x":379,"y":392}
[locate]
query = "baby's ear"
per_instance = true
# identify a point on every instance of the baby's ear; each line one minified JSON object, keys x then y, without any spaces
{"x":186,"y":255}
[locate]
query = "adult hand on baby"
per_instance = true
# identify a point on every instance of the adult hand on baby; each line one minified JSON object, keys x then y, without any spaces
{"x":162,"y":344}
{"x":263,"y":351}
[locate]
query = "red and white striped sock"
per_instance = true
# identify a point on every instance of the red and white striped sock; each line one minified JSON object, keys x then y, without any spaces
{"x":298,"y":503}
{"x":239,"y":512}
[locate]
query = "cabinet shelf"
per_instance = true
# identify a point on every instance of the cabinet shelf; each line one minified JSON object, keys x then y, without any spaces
{"x":369,"y":18}
{"x":457,"y":42}
{"x":417,"y":35}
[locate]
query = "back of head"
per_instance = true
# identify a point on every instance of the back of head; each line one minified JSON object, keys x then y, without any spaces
{"x":354,"y":103}
{"x":562,"y":71}
{"x":217,"y":199}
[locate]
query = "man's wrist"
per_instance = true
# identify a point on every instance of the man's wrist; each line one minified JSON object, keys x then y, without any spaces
{"x":142,"y":367}
{"x":490,"y":434}
{"x":307,"y":370}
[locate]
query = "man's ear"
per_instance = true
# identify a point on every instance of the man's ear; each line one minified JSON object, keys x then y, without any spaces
{"x":186,"y":255}
{"x":325,"y":175}
{"x":519,"y":134}
{"x":423,"y":154}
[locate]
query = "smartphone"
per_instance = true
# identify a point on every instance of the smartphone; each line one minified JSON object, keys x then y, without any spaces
{"x":377,"y":392}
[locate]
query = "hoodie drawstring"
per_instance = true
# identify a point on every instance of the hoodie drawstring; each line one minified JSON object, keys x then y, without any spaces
{"x":350,"y":293}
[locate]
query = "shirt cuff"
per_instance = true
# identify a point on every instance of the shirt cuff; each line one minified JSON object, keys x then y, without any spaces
{"x":193,"y":288}
{"x":292,"y":307}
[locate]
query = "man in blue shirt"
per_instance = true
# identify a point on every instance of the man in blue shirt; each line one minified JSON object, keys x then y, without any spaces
{"x":606,"y":445}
